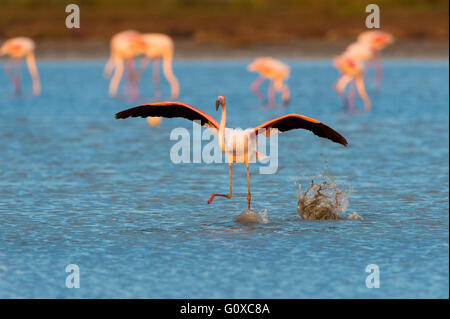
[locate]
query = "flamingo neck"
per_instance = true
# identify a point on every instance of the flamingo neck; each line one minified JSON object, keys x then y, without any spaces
{"x":222,"y":128}
{"x":168,"y":73}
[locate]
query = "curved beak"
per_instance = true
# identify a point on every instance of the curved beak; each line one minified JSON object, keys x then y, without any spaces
{"x":220,"y":101}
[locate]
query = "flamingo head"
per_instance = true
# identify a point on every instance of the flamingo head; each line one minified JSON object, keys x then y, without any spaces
{"x":220,"y":101}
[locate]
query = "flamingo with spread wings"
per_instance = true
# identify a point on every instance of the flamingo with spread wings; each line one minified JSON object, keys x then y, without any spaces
{"x":238,"y":145}
{"x":21,"y":48}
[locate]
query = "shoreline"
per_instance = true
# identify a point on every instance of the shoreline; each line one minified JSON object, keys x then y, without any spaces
{"x":188,"y":49}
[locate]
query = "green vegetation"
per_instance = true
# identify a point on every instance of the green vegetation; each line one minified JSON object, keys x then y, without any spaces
{"x":231,"y":22}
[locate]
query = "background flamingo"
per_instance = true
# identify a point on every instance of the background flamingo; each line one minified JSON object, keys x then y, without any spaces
{"x":21,"y":48}
{"x":277,"y":72}
{"x":238,"y":145}
{"x":376,"y":41}
{"x":355,"y":60}
{"x":352,"y":71}
{"x":124,"y":46}
{"x":356,"y":53}
{"x":160,"y":47}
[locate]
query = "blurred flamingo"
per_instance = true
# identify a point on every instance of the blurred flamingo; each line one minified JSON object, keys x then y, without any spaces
{"x":352,"y":71}
{"x":357,"y":52}
{"x":277,"y":72}
{"x":124,"y":46}
{"x":21,"y":48}
{"x":376,"y":41}
{"x":238,"y":145}
{"x":160,"y":46}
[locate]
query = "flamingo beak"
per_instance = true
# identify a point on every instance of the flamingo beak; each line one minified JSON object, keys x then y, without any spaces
{"x":220,"y":101}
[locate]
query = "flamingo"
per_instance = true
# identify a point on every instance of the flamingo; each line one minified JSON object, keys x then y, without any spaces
{"x":277,"y":72}
{"x":160,"y":46}
{"x":124,"y":46}
{"x":21,"y":48}
{"x":238,"y":145}
{"x":376,"y":41}
{"x":352,"y":71}
{"x":358,"y":52}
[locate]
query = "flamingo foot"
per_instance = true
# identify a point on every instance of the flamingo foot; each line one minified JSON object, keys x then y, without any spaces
{"x":211,"y":198}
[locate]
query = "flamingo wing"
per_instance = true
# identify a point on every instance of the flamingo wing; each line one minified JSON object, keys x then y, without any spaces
{"x":170,"y":109}
{"x":295,"y":121}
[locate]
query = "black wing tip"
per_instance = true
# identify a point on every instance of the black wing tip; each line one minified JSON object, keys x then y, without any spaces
{"x":333,"y":135}
{"x":340,"y":139}
{"x":132,"y":112}
{"x":120,"y":115}
{"x":343,"y":141}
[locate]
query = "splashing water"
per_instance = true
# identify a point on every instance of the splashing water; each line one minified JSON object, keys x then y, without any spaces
{"x":249,"y":217}
{"x":326,"y":200}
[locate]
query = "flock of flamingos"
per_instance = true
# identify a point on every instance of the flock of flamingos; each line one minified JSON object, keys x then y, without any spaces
{"x":239,"y":146}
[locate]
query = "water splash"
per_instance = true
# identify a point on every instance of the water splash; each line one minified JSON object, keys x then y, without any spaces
{"x":325,"y":199}
{"x":250,"y":217}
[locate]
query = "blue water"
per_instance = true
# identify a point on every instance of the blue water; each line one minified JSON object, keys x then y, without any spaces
{"x":79,"y":187}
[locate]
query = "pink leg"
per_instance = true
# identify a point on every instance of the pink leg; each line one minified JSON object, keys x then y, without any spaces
{"x":378,"y":71}
{"x":126,"y":87}
{"x":271,"y":94}
{"x":8,"y":71}
{"x":249,"y":195}
{"x":340,"y":85}
{"x":16,"y":78}
{"x":156,"y":80}
{"x":138,"y":72}
{"x":211,"y":198}
{"x":131,"y":88}
{"x":254,"y":87}
{"x":351,"y":96}
{"x":8,"y":67}
{"x":339,"y":92}
{"x":362,"y":92}
{"x":134,"y":82}
{"x":117,"y":75}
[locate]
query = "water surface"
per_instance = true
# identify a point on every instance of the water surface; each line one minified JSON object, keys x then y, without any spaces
{"x":79,"y":187}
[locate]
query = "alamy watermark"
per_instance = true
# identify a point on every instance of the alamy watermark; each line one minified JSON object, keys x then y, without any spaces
{"x":373,"y":279}
{"x":373,"y":19}
{"x":73,"y":19}
{"x":238,"y":145}
{"x":73,"y":279}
